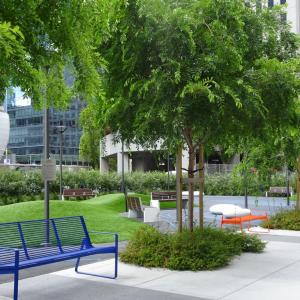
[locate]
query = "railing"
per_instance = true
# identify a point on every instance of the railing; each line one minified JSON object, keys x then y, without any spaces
{"x":219,"y":168}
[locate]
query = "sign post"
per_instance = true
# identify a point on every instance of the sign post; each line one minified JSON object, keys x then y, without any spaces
{"x":49,"y":169}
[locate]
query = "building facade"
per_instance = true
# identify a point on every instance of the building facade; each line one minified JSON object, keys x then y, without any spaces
{"x":292,"y":15}
{"x":26,"y":139}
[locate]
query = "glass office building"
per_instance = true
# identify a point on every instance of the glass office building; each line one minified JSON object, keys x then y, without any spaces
{"x":26,"y":132}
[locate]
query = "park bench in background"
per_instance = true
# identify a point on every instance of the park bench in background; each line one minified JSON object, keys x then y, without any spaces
{"x":78,"y":193}
{"x":279,"y":191}
{"x":34,"y":243}
{"x":157,"y":197}
{"x":137,"y":210}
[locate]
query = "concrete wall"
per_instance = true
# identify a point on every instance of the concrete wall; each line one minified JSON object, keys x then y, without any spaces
{"x":293,"y":14}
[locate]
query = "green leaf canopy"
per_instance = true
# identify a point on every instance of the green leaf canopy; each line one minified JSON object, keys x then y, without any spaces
{"x":198,"y":71}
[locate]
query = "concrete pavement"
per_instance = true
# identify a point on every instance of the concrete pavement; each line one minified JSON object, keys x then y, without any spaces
{"x":272,"y":275}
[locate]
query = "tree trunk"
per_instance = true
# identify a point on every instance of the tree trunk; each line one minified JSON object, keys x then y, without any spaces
{"x":179,"y":188}
{"x":298,"y":184}
{"x":201,"y":185}
{"x":192,"y":157}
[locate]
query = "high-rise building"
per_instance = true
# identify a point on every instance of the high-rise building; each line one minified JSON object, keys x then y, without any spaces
{"x":26,"y":132}
{"x":292,"y":12}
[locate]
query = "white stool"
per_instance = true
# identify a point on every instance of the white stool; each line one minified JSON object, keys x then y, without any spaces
{"x":151,"y":214}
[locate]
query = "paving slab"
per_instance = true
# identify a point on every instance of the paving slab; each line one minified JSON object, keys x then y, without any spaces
{"x":49,"y":287}
{"x":273,"y":275}
{"x":239,"y":280}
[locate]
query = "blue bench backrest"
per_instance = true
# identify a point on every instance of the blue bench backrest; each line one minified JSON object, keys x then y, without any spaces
{"x":41,"y":238}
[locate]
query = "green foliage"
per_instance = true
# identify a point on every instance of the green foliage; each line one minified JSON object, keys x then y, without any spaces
{"x":289,"y":220}
{"x":89,"y":141}
{"x":199,"y":73}
{"x":18,"y":186}
{"x":234,"y":184}
{"x":205,"y":249}
{"x":231,"y":74}
{"x":38,"y":39}
{"x":12,"y":54}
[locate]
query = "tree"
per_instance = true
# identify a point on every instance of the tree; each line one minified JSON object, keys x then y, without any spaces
{"x":40,"y":38}
{"x":12,"y":53}
{"x":89,"y":141}
{"x":198,"y":73}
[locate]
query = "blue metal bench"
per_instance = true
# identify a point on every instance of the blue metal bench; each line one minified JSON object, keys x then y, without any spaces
{"x":34,"y":243}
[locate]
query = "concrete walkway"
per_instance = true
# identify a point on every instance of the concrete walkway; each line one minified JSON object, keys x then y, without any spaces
{"x":273,"y":275}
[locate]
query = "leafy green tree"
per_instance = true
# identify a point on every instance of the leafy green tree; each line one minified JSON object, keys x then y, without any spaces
{"x":90,"y":139}
{"x":12,"y":53}
{"x":198,"y":73}
{"x":38,"y":39}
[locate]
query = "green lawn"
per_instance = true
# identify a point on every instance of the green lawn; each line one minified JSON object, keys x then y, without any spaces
{"x":101,"y":214}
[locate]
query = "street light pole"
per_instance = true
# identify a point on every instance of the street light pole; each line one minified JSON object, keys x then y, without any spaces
{"x":60,"y":130}
{"x":123,"y":187}
{"x":46,"y":156}
{"x":287,"y":186}
{"x":168,"y":172}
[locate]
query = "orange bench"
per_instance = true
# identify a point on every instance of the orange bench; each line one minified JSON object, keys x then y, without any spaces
{"x":240,"y":220}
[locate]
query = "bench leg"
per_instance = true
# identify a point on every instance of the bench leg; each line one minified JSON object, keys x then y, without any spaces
{"x":16,"y":284}
{"x":97,"y":275}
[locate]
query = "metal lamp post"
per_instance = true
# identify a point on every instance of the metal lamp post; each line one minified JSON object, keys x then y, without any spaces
{"x":123,"y":187}
{"x":60,"y":130}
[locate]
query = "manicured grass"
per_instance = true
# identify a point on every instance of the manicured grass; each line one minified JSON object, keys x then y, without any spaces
{"x":101,"y":214}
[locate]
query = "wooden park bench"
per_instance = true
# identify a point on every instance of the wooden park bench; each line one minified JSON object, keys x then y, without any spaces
{"x":137,"y":210}
{"x":279,"y":191}
{"x":78,"y":193}
{"x":34,"y":243}
{"x":135,"y":207}
{"x":157,"y":197}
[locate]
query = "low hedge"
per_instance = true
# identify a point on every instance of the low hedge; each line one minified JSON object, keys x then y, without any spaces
{"x":289,"y":220}
{"x":206,"y":249}
{"x":16,"y":186}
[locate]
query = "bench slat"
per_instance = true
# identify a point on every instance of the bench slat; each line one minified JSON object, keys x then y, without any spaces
{"x":82,"y":192}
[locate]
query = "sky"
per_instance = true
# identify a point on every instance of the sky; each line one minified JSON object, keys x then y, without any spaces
{"x":20,"y":99}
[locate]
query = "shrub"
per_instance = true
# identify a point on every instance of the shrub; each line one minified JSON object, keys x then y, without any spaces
{"x":206,"y":249}
{"x":17,"y":184}
{"x":289,"y":220}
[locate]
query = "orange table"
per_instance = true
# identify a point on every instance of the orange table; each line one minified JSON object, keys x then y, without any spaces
{"x":240,"y":220}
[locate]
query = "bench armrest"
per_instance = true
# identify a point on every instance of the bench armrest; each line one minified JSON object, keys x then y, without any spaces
{"x":102,"y":232}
